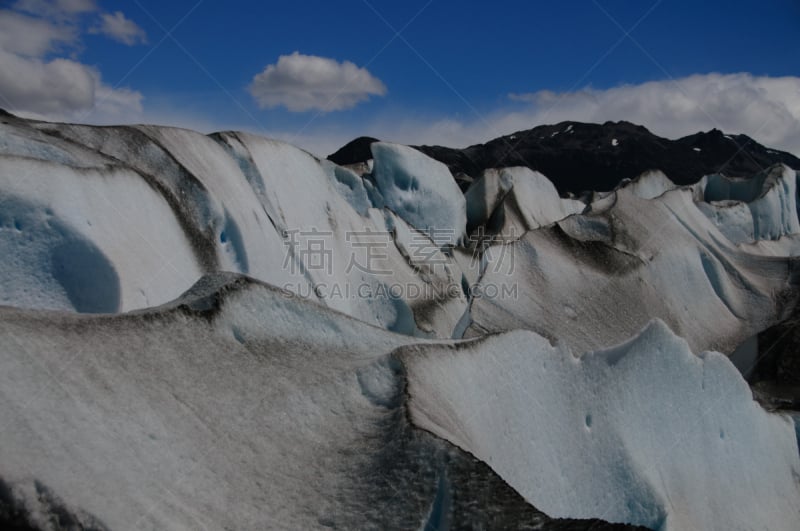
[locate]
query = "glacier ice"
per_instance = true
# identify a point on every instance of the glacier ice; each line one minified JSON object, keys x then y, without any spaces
{"x":47,"y":205}
{"x":645,"y":258}
{"x":421,"y":191}
{"x":644,"y":432}
{"x":515,"y":200}
{"x":213,"y":412}
{"x":164,"y":205}
{"x":650,"y":184}
{"x":499,"y":358}
{"x":745,"y":210}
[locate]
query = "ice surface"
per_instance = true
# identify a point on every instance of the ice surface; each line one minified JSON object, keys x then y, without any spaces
{"x":155,"y":207}
{"x":236,"y":407}
{"x":485,"y":194}
{"x":650,"y":185}
{"x":421,"y":191}
{"x":645,"y":432}
{"x":644,"y":258}
{"x":761,"y":208}
{"x":63,"y":226}
{"x":245,"y":405}
{"x":527,"y":199}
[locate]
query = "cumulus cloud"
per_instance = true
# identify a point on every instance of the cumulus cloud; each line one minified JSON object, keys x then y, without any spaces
{"x":306,"y":82}
{"x":37,"y":82}
{"x":46,"y":87}
{"x":120,"y":28}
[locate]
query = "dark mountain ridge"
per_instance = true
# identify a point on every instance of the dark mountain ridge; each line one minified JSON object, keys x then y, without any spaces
{"x":580,"y":156}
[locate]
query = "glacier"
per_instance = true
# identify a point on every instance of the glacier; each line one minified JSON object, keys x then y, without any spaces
{"x":613,"y":418}
{"x":227,"y":332}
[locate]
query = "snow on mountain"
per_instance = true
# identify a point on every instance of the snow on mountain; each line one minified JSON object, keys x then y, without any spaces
{"x":322,"y":380}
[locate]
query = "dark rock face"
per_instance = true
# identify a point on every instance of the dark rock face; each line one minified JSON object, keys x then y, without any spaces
{"x":50,"y":512}
{"x":776,"y":376}
{"x":354,"y":151}
{"x":580,"y":156}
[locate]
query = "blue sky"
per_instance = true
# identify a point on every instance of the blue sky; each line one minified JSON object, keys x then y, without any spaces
{"x":457,"y":72}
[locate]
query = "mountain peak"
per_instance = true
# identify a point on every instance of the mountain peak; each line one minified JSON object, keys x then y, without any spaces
{"x":357,"y":150}
{"x":579,"y":156}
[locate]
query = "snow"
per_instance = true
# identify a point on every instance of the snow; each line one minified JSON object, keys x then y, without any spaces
{"x":697,"y":149}
{"x":645,"y":432}
{"x":614,"y":142}
{"x":421,"y":191}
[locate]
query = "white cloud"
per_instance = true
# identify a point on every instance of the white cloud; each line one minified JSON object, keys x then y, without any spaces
{"x":33,"y":37}
{"x":56,"y":8}
{"x":115,"y":105}
{"x":305,"y":82}
{"x":36,"y":84}
{"x":57,"y":86}
{"x":120,"y":28}
{"x":765,"y":108}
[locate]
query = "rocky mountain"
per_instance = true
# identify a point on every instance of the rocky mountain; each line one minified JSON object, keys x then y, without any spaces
{"x":579,"y":157}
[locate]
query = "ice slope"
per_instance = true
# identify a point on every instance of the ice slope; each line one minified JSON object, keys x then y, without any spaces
{"x":237,"y":406}
{"x":238,"y":202}
{"x":650,"y":184}
{"x":420,"y":190}
{"x":514,"y":200}
{"x":594,"y":279}
{"x":763,"y":207}
{"x":153,"y":208}
{"x":89,"y":239}
{"x":337,"y":204}
{"x":645,"y":432}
